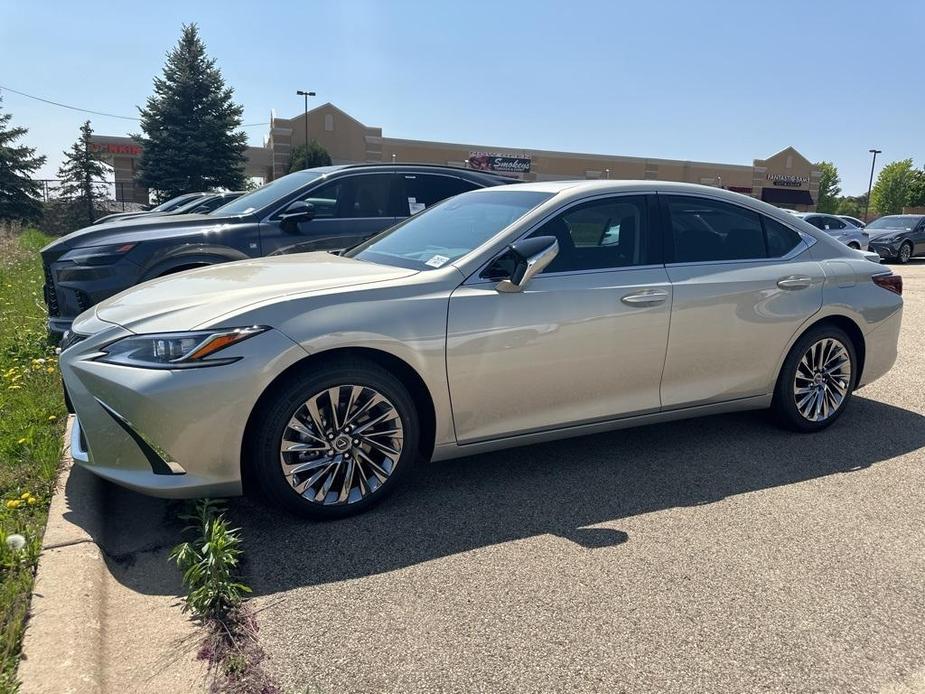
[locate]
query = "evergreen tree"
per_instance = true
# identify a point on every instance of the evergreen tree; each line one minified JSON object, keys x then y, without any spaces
{"x":191,"y":139}
{"x":308,"y":157}
{"x":82,"y":184}
{"x":19,"y":193}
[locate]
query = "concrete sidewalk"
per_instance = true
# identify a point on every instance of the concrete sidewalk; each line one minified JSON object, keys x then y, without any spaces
{"x":106,"y":616}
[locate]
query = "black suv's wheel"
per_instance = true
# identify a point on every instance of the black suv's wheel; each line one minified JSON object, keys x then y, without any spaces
{"x":816,"y":380}
{"x":335,"y":441}
{"x":905,"y":253}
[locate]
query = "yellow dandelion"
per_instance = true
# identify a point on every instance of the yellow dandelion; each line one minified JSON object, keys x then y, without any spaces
{"x":14,"y":503}
{"x":21,"y":441}
{"x":25,"y":495}
{"x":32,"y":501}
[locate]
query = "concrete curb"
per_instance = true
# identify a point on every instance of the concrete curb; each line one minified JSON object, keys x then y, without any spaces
{"x":92,"y":631}
{"x":62,"y":644}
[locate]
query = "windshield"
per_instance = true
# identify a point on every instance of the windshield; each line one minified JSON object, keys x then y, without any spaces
{"x":896,"y":221}
{"x":193,"y":204}
{"x":176,"y":202}
{"x":269,"y":193}
{"x":448,"y":231}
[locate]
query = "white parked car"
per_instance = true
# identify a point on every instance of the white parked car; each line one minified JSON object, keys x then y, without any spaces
{"x":848,"y":234}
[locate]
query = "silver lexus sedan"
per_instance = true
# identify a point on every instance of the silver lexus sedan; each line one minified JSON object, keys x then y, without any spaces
{"x":497,"y":318}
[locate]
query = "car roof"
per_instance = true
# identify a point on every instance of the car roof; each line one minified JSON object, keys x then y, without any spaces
{"x":486,"y":176}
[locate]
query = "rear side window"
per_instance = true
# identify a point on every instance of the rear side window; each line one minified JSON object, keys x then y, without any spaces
{"x":835,"y":223}
{"x":425,"y":190}
{"x":709,"y":230}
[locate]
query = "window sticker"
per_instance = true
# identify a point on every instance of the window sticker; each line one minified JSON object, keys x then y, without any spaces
{"x":414,"y":206}
{"x":437,"y":261}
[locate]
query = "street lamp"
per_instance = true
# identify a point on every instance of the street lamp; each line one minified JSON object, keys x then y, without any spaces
{"x":870,"y":184}
{"x":306,"y":95}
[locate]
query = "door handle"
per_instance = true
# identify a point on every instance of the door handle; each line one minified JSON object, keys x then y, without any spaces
{"x":795,"y":282}
{"x":646,"y":298}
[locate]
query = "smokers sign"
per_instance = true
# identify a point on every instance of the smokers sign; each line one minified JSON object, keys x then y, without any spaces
{"x":499,"y":163}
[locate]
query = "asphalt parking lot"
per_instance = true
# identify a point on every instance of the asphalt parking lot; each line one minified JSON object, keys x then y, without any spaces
{"x":720,"y":554}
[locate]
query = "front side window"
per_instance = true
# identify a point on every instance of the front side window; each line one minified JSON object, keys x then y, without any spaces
{"x":709,"y":231}
{"x":352,"y":197}
{"x":601,"y":234}
{"x":426,"y":190}
{"x":449,"y":230}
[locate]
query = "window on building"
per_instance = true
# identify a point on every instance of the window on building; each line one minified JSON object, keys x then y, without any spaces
{"x":709,"y":230}
{"x":602,"y":234}
{"x":425,"y":190}
{"x":329,"y":122}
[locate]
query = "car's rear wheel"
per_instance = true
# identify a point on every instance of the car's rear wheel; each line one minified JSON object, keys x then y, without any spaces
{"x":854,"y":245}
{"x":816,"y":380}
{"x":905,"y":253}
{"x":335,"y":441}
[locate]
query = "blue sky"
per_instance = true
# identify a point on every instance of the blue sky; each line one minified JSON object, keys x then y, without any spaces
{"x":713,"y":81}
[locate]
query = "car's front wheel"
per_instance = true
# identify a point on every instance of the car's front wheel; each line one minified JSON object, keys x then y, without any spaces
{"x":816,"y":380}
{"x":905,"y":253}
{"x":335,"y":440}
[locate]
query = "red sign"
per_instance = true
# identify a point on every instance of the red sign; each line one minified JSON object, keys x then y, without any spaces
{"x":111,"y":148}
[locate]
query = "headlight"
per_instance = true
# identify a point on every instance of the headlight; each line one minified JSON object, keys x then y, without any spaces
{"x":176,"y":350}
{"x":98,"y":255}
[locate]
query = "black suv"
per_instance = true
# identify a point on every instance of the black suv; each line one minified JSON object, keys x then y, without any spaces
{"x":327,"y":208}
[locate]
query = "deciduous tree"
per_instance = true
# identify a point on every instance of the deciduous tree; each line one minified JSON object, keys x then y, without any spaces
{"x":829,"y":188}
{"x":307,"y":157}
{"x":891,"y":191}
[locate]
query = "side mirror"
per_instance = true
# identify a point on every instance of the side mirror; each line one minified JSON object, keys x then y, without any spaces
{"x":299,"y":211}
{"x":529,"y":258}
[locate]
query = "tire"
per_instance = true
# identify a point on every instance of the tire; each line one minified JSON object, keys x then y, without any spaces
{"x":793,"y":410}
{"x":348,"y":471}
{"x":905,"y":253}
{"x":854,"y":246}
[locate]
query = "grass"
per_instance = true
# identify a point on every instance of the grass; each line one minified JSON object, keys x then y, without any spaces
{"x":32,"y":418}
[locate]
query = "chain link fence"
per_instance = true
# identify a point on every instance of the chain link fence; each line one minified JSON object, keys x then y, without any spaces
{"x":121,"y":196}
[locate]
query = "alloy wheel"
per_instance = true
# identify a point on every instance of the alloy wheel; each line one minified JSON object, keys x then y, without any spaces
{"x":822,"y":379}
{"x":341,"y":445}
{"x":905,"y":253}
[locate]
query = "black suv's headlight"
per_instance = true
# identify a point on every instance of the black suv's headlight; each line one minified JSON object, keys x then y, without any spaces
{"x":177,"y":350}
{"x":98,"y":255}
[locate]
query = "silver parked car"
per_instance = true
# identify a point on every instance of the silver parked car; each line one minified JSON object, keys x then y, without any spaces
{"x":497,"y":318}
{"x":852,"y":220}
{"x":848,"y":234}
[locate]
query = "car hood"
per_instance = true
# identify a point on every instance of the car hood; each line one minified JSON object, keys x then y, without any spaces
{"x":196,"y":297}
{"x":137,"y":229}
{"x":879,"y":233}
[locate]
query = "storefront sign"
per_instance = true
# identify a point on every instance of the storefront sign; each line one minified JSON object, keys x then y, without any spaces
{"x":499,"y":163}
{"x":789,"y":181}
{"x":111,"y":148}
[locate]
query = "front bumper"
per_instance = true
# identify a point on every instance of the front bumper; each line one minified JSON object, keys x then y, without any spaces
{"x":71,"y":289}
{"x":885,"y":250}
{"x":174,"y":434}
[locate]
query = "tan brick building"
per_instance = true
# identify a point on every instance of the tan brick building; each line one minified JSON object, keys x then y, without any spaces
{"x":786,"y":179}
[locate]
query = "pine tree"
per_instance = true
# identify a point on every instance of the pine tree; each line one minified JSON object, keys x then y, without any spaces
{"x":19,"y":193}
{"x":82,"y":174}
{"x":191,"y":139}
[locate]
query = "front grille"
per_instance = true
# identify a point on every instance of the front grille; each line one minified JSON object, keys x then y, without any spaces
{"x":51,"y":296}
{"x":83,"y":300}
{"x":70,"y":339}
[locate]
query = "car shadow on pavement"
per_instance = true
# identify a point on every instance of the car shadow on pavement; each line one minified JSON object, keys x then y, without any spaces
{"x":560,"y":488}
{"x":557,"y":488}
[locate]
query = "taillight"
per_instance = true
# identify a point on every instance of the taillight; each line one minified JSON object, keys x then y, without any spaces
{"x":892,"y":283}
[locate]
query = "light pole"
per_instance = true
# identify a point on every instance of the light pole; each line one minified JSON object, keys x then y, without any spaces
{"x":306,"y":95}
{"x":870,"y":183}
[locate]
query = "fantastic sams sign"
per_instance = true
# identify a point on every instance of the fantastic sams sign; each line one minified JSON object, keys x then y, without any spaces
{"x":499,"y":163}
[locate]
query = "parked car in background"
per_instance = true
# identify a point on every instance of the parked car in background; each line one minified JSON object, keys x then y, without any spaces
{"x":539,"y":310}
{"x":168,"y":206}
{"x":852,"y":220}
{"x":848,"y":234}
{"x":204,"y":205}
{"x":327,"y":208}
{"x":898,"y":237}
